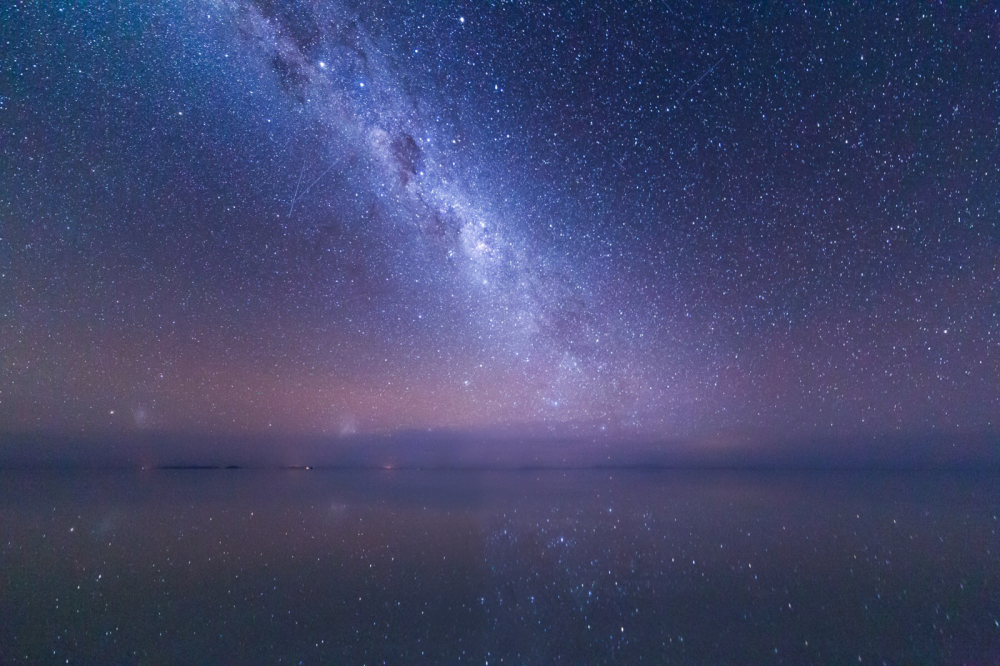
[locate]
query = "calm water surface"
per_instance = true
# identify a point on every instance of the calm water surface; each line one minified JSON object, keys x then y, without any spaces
{"x":192,"y":567}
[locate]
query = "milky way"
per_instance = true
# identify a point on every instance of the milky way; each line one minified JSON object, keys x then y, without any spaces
{"x":654,"y":219}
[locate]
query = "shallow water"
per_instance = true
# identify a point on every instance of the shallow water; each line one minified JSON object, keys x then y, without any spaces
{"x":241,"y":566}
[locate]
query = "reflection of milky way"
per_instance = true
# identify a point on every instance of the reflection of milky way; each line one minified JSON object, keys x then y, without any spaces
{"x":655,"y":221}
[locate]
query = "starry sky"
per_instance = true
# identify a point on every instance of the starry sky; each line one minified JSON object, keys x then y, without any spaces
{"x":652,"y":220}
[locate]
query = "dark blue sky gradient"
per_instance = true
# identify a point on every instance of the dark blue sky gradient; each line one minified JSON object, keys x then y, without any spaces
{"x":631,"y":222}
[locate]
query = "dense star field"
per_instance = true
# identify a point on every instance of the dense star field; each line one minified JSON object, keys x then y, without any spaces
{"x":631,"y":220}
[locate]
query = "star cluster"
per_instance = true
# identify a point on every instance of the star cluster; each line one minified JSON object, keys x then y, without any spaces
{"x":652,"y":219}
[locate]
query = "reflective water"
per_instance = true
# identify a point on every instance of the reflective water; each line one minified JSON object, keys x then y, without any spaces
{"x":498,"y":567}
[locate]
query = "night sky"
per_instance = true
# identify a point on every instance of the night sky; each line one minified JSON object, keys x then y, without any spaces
{"x":676,"y":220}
